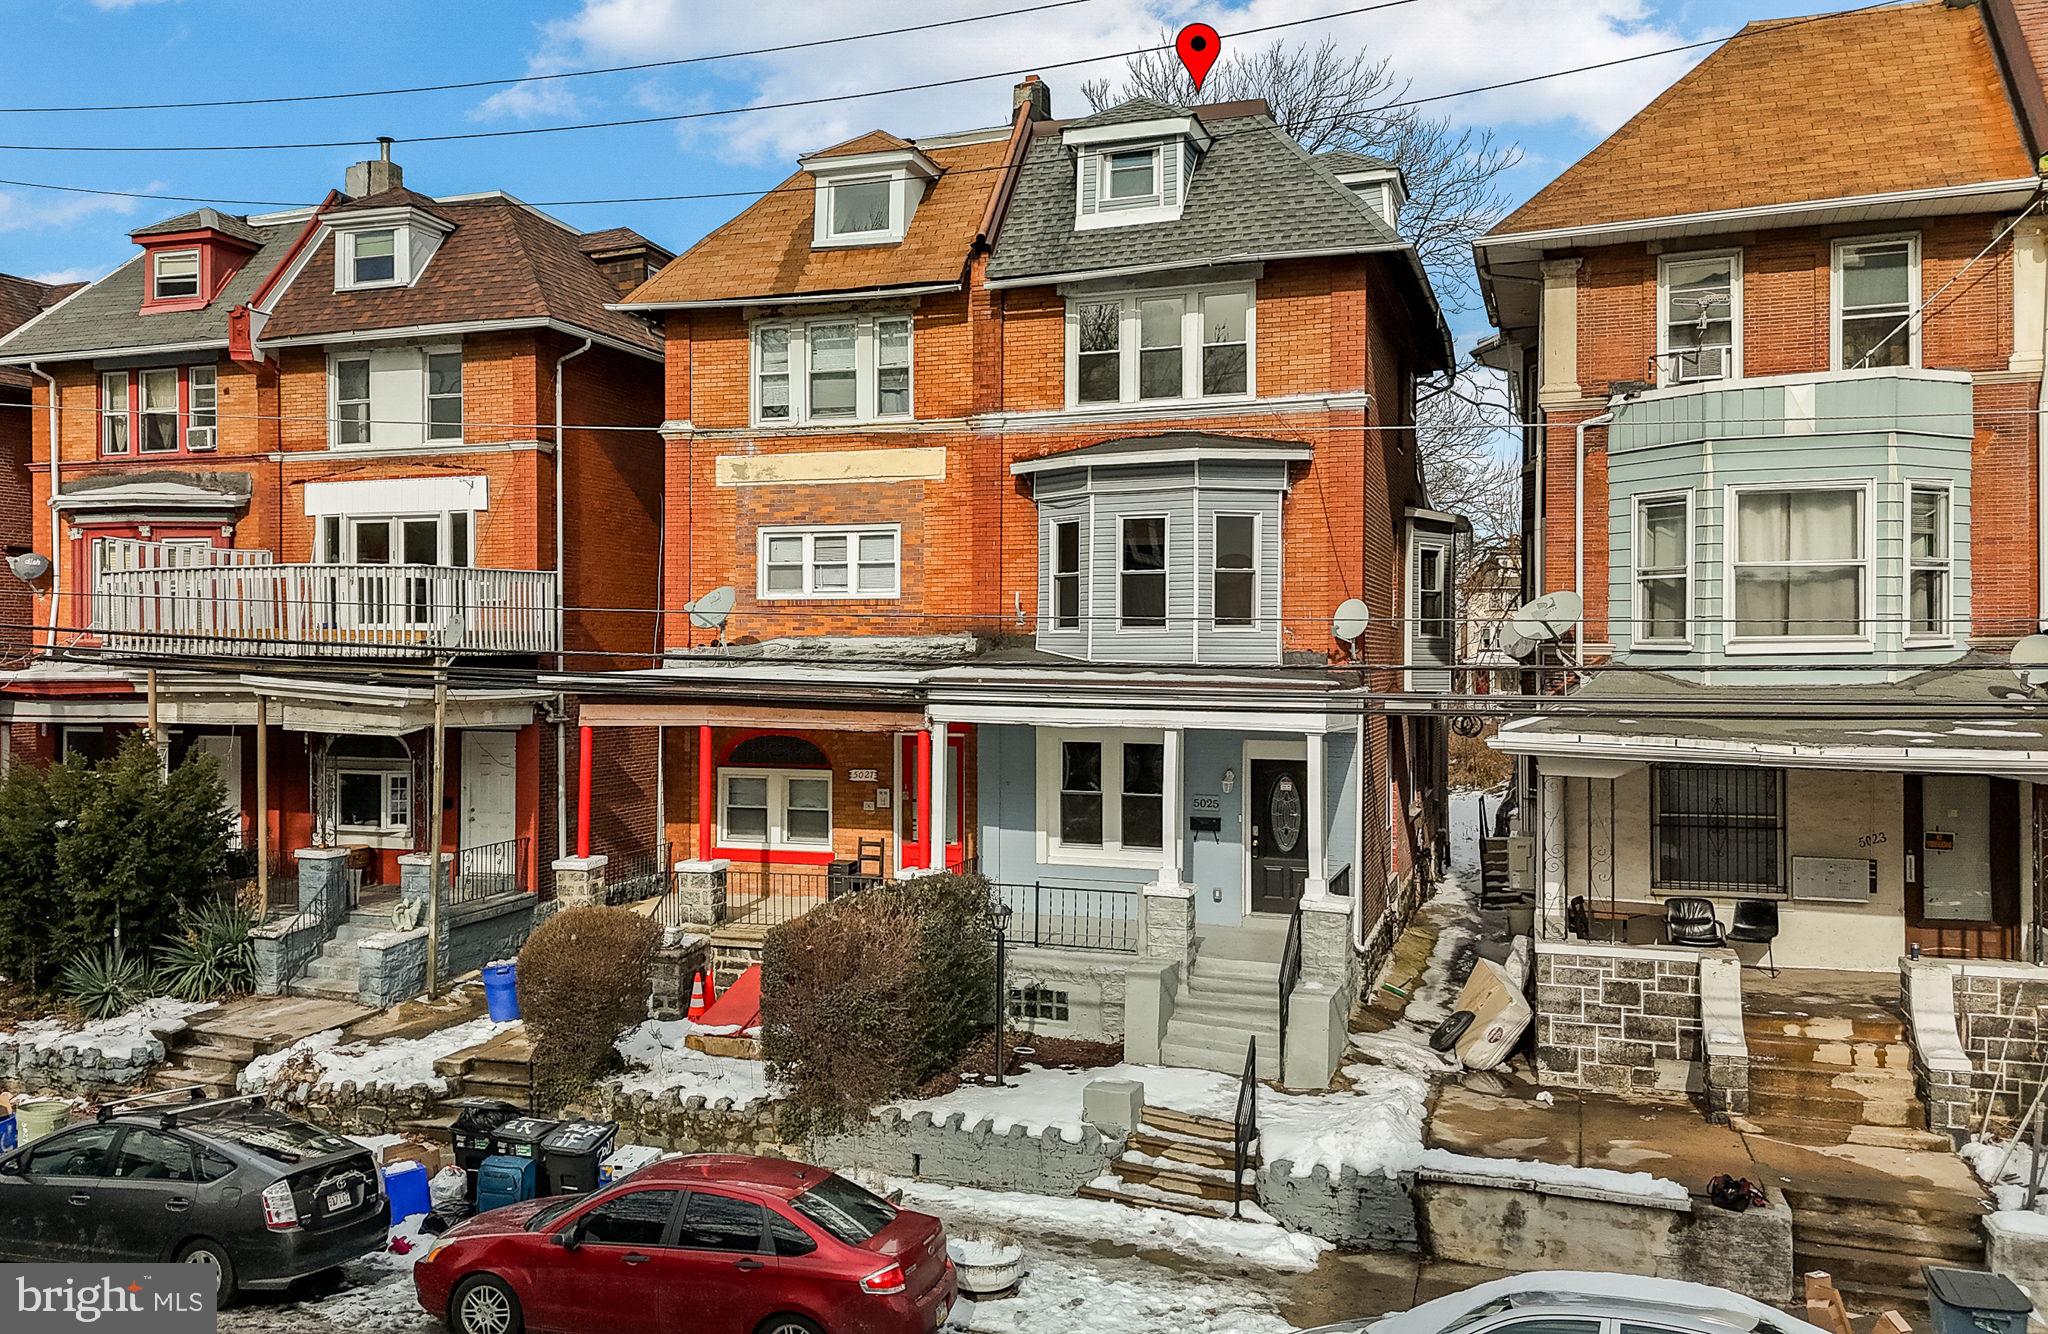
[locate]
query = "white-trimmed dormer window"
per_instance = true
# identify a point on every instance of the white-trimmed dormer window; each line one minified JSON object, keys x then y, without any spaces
{"x":1135,"y":172}
{"x":1130,"y":177}
{"x":373,"y":257}
{"x":386,"y":247}
{"x":174,"y":275}
{"x":862,"y":209}
{"x":864,"y":199}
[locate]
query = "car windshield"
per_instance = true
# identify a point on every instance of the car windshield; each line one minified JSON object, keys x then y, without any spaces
{"x":845,"y":1210}
{"x":545,"y":1218}
{"x":1471,"y":1318}
{"x":274,"y":1136}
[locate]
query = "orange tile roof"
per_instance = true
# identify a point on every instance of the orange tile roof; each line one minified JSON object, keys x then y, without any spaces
{"x":874,"y":141}
{"x":766,"y":251}
{"x":1904,"y":98}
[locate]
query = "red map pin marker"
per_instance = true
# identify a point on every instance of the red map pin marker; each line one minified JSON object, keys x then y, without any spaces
{"x":1199,"y":46}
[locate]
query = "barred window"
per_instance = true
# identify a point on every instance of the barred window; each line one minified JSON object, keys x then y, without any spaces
{"x":1717,"y":828}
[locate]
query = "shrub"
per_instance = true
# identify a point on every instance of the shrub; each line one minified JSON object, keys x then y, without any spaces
{"x":210,"y":956}
{"x":584,"y":977}
{"x":873,"y":994}
{"x":104,"y":982}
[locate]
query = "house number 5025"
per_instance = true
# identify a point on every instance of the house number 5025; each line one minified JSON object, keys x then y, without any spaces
{"x":1871,"y":840}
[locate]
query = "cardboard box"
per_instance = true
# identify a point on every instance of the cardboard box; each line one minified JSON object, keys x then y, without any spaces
{"x":416,"y":1151}
{"x":1500,"y":1013}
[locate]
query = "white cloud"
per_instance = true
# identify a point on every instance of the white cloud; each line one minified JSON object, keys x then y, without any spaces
{"x":37,"y":210}
{"x":1438,"y":46}
{"x":81,"y":273}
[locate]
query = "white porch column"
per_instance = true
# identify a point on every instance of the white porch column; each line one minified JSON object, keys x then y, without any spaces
{"x":1550,"y":915}
{"x":935,"y":813}
{"x":1172,"y":818}
{"x":1318,"y":882}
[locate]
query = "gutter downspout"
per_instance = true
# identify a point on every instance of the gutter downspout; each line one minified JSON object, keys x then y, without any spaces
{"x":56,"y":515}
{"x":1579,"y":520}
{"x":561,"y":622}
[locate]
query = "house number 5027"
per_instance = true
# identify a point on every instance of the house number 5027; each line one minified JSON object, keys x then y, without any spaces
{"x":1871,"y":840}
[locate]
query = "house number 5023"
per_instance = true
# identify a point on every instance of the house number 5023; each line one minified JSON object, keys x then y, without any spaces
{"x":1871,"y":840}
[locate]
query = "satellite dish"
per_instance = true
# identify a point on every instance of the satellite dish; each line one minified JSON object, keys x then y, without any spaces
{"x":1514,"y":643}
{"x":1549,"y":616}
{"x":1351,"y":618}
{"x":2029,"y":661}
{"x":709,"y":612}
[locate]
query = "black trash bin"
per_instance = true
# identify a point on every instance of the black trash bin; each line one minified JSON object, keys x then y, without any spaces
{"x":1968,"y":1301}
{"x":841,"y":877}
{"x":573,"y":1151}
{"x":520,"y":1138}
{"x":472,"y":1130}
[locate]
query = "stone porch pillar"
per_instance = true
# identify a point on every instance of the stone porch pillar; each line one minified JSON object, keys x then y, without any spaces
{"x":323,"y":882}
{"x":579,"y":881}
{"x":414,"y":877}
{"x":700,"y":893}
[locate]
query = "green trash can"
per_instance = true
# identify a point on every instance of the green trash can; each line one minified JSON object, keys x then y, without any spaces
{"x":1969,"y":1301}
{"x":37,"y":1117}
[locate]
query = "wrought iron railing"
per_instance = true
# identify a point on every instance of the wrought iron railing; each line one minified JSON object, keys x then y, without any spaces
{"x":314,"y":924}
{"x":1244,"y":1125}
{"x":1290,"y":973}
{"x":1070,"y":917}
{"x":489,"y":869}
{"x":637,"y":876}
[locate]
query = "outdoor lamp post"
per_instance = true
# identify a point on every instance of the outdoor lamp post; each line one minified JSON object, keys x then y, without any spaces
{"x":1002,"y":988}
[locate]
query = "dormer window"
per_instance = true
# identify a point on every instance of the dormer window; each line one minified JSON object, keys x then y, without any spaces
{"x":860,"y":208}
{"x":1130,"y":173}
{"x":1130,"y":177}
{"x":175,"y":275}
{"x":385,"y":247}
{"x":865,"y":198}
{"x":372,"y":258}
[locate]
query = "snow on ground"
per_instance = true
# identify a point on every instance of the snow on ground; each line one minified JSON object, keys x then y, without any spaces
{"x":659,"y":1061}
{"x":1990,"y":1159}
{"x":406,"y":1062}
{"x":123,"y":1035}
{"x":1061,"y":1294}
{"x":1261,"y":1243}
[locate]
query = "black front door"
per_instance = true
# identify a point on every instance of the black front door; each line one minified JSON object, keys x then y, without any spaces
{"x":1279,"y":816}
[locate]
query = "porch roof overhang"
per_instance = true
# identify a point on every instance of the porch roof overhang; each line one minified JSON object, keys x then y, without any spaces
{"x":334,"y":707}
{"x":1966,"y":717}
{"x":1029,"y":688}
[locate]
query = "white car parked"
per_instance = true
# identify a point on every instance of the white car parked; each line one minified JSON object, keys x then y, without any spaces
{"x":1571,"y":1302}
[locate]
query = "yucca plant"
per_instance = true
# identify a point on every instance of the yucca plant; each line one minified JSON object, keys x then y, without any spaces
{"x":209,"y":955}
{"x":102,"y":983}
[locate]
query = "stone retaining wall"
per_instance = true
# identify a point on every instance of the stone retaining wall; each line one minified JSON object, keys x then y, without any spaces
{"x":1619,"y":1018}
{"x":959,"y":1152}
{"x":1372,"y":1213}
{"x":691,"y":1124}
{"x":2002,"y":1021}
{"x":352,"y":1109}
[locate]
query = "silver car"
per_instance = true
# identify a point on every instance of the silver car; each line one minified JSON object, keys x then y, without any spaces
{"x":1570,"y":1302}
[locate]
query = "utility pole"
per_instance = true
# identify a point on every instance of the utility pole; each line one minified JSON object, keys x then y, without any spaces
{"x":436,"y":782}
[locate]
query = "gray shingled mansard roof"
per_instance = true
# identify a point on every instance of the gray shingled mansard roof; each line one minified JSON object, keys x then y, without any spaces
{"x":1256,"y":192}
{"x":107,"y":316}
{"x":227,"y":224}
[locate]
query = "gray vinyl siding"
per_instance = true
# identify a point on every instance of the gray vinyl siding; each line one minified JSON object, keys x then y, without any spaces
{"x":1088,"y":181}
{"x":1170,"y":164}
{"x":1883,"y":432}
{"x":1430,"y":656}
{"x":1189,"y":497}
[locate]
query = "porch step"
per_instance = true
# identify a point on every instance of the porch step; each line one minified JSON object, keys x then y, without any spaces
{"x":1192,"y":1182}
{"x":1204,"y":1152}
{"x":1230,"y":966}
{"x":1221,"y":1050}
{"x":1864,"y":1054}
{"x":1186,"y":1127}
{"x":1875,"y":1250}
{"x":1115,"y":1190}
{"x":1819,"y":1032}
{"x":1198,"y":1009}
{"x":1235,"y":987}
{"x":1810,"y":1133}
{"x":208,"y":1062}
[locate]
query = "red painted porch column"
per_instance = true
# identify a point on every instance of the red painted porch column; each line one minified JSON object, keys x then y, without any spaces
{"x":583,"y":793}
{"x":706,"y":807}
{"x":924,"y":799}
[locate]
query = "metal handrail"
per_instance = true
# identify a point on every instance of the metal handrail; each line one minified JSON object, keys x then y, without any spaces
{"x":1290,"y":973}
{"x":488,"y":869}
{"x":1244,"y":1125}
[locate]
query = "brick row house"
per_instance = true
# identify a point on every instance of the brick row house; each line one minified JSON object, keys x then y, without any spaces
{"x":1787,"y":392}
{"x":21,"y":300}
{"x":299,"y":458}
{"x":1014,"y":480}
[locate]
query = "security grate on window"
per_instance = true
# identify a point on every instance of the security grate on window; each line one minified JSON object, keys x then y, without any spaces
{"x":1718,"y":828}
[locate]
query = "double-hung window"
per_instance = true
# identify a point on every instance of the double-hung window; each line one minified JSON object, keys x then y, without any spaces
{"x":1234,"y":572}
{"x":1066,"y":574}
{"x":841,"y":369}
{"x":372,"y":257}
{"x":1699,"y":326}
{"x":1876,"y":287}
{"x":1168,"y":346}
{"x":395,"y":396}
{"x":174,"y":275}
{"x":830,"y":562}
{"x":776,"y":809}
{"x":159,"y":410}
{"x":1663,"y":614}
{"x":203,"y":408}
{"x":114,"y":409}
{"x":1929,"y":562}
{"x":444,"y":395}
{"x":861,"y":208}
{"x":1105,"y":793}
{"x":1800,"y":563}
{"x":1130,"y":178}
{"x":1141,"y":573}
{"x":1718,"y":828}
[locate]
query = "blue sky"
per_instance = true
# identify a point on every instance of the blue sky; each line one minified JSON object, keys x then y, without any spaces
{"x":97,"y":51}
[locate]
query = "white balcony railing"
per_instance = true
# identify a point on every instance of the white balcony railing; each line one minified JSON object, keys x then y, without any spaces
{"x":268,"y":610}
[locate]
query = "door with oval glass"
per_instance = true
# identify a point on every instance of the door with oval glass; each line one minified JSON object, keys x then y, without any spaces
{"x":1279,"y":833}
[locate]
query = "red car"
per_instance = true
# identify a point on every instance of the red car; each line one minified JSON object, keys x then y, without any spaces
{"x":705,"y":1244}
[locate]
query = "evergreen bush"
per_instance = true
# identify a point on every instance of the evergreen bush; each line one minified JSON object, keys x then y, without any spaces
{"x":869,"y":996}
{"x":584,"y":978}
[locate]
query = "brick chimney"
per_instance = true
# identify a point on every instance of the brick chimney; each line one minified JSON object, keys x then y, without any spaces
{"x":626,"y":258}
{"x":1034,"y":93}
{"x":375,"y":176}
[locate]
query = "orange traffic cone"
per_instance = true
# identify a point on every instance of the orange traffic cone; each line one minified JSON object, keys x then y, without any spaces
{"x":710,"y":987}
{"x":697,"y":1002}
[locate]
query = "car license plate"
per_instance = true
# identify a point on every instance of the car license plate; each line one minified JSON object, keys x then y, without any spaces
{"x":339,"y":1200}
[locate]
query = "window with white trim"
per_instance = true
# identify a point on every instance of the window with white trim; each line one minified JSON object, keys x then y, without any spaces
{"x":842,"y":368}
{"x":159,"y":410}
{"x":1876,"y":288}
{"x":1234,"y":572}
{"x":1929,"y":562}
{"x":1141,"y":572}
{"x":830,"y":562}
{"x":1663,"y":539}
{"x":1801,"y":563}
{"x":1130,"y":178}
{"x":114,"y":412}
{"x":1066,"y":574}
{"x":202,"y":387}
{"x":156,"y":409}
{"x":373,"y":801}
{"x":775,"y":809}
{"x":372,"y":257}
{"x":1699,"y":321}
{"x":401,"y":539}
{"x":1160,"y":346}
{"x":861,"y":208}
{"x":395,"y":396}
{"x":1106,"y":792}
{"x":174,"y":275}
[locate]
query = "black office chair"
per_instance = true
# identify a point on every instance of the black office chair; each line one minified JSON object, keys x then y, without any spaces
{"x":1691,"y":921}
{"x":1756,"y":923}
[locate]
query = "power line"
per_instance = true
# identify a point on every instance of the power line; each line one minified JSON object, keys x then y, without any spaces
{"x":471,"y":84}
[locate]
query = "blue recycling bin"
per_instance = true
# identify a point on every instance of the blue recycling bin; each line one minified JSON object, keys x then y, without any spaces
{"x":504,"y":1180}
{"x":501,"y":991}
{"x":405,"y":1184}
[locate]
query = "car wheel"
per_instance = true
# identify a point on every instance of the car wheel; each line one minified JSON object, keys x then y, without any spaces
{"x":484,"y":1305}
{"x":788,"y":1324}
{"x":215,"y":1256}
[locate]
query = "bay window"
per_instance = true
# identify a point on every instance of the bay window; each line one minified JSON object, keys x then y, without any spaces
{"x":1663,"y":539}
{"x":1165,"y":346}
{"x":1103,"y":795}
{"x":830,"y":562}
{"x":1876,"y":287}
{"x":854,"y":369}
{"x":1235,"y":572}
{"x":1928,"y":561}
{"x":1800,"y":564}
{"x":1066,"y":575}
{"x":395,"y":396}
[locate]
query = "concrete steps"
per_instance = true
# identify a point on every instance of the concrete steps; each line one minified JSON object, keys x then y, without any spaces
{"x":1231,"y":996}
{"x":1180,"y":1162}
